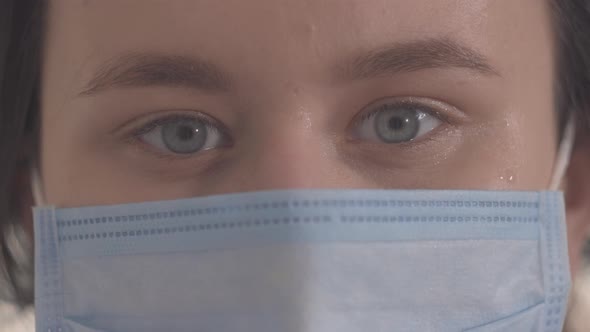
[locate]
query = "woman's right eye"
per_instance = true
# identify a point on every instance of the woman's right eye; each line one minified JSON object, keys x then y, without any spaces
{"x":183,"y":135}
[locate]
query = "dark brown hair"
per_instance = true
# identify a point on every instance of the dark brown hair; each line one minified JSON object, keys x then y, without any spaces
{"x":21,"y":31}
{"x":20,"y":62}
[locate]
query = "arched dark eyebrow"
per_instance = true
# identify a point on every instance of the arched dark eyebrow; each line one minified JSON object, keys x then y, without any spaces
{"x":144,"y":70}
{"x":413,"y":56}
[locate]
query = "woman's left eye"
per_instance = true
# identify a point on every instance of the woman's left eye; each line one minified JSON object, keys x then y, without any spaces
{"x":396,"y":123}
{"x":183,"y":135}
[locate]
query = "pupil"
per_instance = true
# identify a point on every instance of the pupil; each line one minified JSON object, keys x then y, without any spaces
{"x":185,"y":133}
{"x":396,"y":123}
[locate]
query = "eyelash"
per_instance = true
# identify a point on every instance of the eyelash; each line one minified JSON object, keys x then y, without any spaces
{"x":385,"y":106}
{"x":151,"y":125}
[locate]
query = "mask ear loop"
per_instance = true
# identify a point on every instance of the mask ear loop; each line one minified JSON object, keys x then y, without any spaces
{"x":37,"y":187}
{"x":564,"y":154}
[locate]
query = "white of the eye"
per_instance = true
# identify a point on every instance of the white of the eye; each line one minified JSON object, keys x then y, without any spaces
{"x":154,"y":138}
{"x":366,"y":131}
{"x":427,"y":124}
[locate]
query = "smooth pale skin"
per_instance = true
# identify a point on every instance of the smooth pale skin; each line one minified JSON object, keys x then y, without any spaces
{"x":289,"y":113}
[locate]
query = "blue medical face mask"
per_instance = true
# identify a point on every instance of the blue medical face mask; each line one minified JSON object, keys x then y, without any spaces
{"x":306,"y":261}
{"x":343,"y":260}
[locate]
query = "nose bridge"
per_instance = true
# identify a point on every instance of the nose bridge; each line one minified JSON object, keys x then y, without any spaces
{"x":291,"y":143}
{"x":289,"y":153}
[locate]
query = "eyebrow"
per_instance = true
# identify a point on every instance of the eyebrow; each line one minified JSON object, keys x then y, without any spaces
{"x":414,"y":56}
{"x":145,"y":70}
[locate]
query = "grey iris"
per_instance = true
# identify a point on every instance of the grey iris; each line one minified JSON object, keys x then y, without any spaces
{"x":397,"y":125}
{"x":184,"y":136}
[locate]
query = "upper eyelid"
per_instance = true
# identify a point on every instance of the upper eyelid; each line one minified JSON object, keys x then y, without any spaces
{"x":373,"y":108}
{"x":150,"y":125}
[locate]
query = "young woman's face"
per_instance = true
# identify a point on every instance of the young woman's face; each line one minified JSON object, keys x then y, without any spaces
{"x":151,"y":100}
